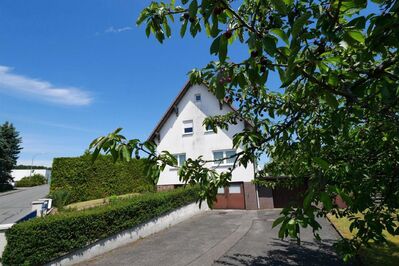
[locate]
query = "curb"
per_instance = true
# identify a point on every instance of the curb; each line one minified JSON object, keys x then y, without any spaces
{"x":10,"y":192}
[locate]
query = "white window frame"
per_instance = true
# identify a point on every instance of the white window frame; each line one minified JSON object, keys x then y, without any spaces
{"x":179,"y":162}
{"x":223,"y":162}
{"x":186,"y":125}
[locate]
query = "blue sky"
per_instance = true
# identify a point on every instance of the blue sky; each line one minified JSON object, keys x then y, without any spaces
{"x":74,"y":70}
{"x":71,"y":71}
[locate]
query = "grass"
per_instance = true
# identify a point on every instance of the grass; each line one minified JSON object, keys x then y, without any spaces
{"x":386,"y":255}
{"x":97,"y":202}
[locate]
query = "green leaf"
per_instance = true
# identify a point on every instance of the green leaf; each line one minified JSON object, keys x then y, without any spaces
{"x":322,"y":163}
{"x":279,"y":6}
{"x":298,"y":24}
{"x":183,"y":28}
{"x":215,"y":46}
{"x":326,"y":200}
{"x":357,"y":36}
{"x":280,"y":33}
{"x":278,"y":221}
{"x":223,"y":48}
{"x":332,"y":80}
{"x":269,"y":44}
{"x":193,"y":9}
{"x":331,"y":100}
{"x":308,"y":200}
{"x":220,"y":91}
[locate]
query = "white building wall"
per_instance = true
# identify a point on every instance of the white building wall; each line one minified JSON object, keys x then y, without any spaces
{"x":200,"y":142}
{"x":18,"y":174}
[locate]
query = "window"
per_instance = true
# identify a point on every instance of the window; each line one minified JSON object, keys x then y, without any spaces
{"x":235,"y":189}
{"x":181,"y":158}
{"x":217,"y":156}
{"x":198,"y":98}
{"x":188,"y":127}
{"x":221,"y":190}
{"x":228,"y":157}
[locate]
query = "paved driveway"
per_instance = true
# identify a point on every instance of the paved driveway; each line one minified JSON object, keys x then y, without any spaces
{"x":225,"y":238}
{"x":16,"y":204}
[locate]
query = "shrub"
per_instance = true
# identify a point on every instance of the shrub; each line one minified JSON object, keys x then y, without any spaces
{"x":85,"y":180}
{"x":60,"y":198}
{"x":41,"y":240}
{"x":31,"y":181}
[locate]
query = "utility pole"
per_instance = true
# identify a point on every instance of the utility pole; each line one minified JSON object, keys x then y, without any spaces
{"x":31,"y":166}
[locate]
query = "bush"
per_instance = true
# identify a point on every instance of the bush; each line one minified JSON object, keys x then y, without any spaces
{"x":85,"y":180}
{"x":41,"y":240}
{"x":31,"y":181}
{"x":60,"y":198}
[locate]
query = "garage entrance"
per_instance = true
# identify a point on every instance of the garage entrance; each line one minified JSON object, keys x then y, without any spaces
{"x":231,"y":197}
{"x":283,"y":197}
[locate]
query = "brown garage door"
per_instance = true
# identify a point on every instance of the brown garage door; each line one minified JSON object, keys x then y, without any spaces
{"x":283,"y":197}
{"x":231,"y":197}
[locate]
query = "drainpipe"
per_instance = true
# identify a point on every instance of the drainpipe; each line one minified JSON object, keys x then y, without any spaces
{"x":256,"y":186}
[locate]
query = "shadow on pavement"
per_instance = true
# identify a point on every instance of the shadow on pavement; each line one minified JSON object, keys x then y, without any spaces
{"x":287,"y":253}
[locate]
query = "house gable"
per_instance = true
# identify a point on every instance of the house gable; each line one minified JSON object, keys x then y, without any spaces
{"x":186,"y":111}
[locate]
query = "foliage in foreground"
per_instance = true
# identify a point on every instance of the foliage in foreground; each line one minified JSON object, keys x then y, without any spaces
{"x":84,"y":179}
{"x":5,"y":187}
{"x":31,"y":181}
{"x":386,"y":254}
{"x":41,"y":240}
{"x":333,"y":119}
{"x":9,"y":150}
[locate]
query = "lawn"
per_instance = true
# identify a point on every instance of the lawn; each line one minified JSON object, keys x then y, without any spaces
{"x":98,"y":202}
{"x":385,"y":255}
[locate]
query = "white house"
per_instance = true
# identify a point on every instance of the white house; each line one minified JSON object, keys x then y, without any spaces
{"x":181,"y":132}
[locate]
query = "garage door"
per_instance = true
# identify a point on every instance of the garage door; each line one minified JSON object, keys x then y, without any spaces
{"x":231,"y":197}
{"x":283,"y":197}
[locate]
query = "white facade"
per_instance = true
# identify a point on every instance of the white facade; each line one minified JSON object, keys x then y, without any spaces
{"x":189,"y":112}
{"x":18,"y":174}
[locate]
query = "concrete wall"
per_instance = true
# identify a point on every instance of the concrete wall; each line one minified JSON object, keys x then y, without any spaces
{"x":131,"y":235}
{"x":3,"y":239}
{"x":18,"y":174}
{"x":200,"y":142}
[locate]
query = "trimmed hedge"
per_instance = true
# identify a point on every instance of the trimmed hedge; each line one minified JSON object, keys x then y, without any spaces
{"x":31,"y":181}
{"x":85,"y":180}
{"x":42,"y":240}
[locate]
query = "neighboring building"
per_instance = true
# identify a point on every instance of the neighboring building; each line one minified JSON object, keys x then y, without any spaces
{"x":18,"y":174}
{"x":181,"y":132}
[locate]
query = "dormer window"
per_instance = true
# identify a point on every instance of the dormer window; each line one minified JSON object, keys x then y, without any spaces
{"x":188,"y":128}
{"x":198,"y":98}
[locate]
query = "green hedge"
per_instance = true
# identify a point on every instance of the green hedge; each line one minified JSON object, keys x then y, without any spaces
{"x":85,"y":180}
{"x":31,"y":181}
{"x":41,"y":240}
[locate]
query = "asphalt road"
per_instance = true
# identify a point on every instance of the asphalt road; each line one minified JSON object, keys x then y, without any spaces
{"x":16,"y":204}
{"x":225,"y":238}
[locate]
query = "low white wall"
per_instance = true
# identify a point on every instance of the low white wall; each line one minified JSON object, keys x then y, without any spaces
{"x":3,"y":239}
{"x":18,"y":174}
{"x":131,"y":235}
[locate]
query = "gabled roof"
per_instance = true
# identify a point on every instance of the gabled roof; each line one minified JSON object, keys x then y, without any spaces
{"x":171,"y":109}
